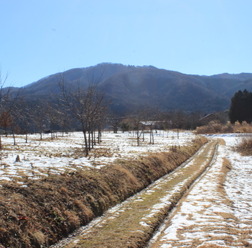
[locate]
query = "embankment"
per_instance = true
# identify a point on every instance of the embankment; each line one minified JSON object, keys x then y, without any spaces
{"x":41,"y":212}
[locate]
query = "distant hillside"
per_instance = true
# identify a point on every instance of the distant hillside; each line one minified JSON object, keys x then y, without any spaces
{"x":130,"y":87}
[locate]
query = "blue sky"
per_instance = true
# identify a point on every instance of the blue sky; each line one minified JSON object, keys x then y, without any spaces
{"x":205,"y":37}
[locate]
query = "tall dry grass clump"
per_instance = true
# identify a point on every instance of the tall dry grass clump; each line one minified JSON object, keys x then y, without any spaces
{"x":44,"y":211}
{"x":245,"y":147}
{"x":215,"y":127}
{"x":243,"y":127}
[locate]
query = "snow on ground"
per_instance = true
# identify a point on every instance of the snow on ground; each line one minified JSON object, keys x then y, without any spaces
{"x":52,"y":156}
{"x":238,"y":185}
{"x":239,"y":189}
{"x":210,"y":216}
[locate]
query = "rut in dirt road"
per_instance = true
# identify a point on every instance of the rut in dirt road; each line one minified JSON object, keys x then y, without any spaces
{"x":132,"y":223}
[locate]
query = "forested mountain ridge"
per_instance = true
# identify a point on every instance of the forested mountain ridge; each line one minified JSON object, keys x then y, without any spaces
{"x":130,"y":87}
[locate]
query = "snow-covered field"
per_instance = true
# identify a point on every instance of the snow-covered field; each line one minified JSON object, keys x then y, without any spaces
{"x":210,"y":215}
{"x":51,"y":156}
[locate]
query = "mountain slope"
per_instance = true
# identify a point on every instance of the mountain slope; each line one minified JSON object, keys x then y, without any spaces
{"x":130,"y":87}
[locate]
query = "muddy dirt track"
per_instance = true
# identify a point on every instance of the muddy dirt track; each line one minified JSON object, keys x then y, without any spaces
{"x":189,"y":202}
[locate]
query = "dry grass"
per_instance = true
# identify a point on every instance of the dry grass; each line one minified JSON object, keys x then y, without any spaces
{"x":243,"y":127}
{"x":210,"y":246}
{"x":245,"y":147}
{"x":226,"y":165}
{"x":132,"y":179}
{"x":38,"y":238}
{"x":215,"y":127}
{"x":101,"y":152}
{"x":72,"y":218}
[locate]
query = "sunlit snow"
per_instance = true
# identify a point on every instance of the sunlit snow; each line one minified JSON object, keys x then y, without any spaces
{"x":210,"y":215}
{"x":53,"y":156}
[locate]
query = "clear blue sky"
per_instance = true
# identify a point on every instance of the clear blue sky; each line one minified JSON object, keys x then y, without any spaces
{"x":42,"y":37}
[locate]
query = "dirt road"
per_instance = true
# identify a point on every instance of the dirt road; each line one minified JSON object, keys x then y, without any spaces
{"x":207,"y":215}
{"x":132,"y":223}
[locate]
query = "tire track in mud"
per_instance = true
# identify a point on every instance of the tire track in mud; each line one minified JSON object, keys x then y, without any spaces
{"x":132,"y":223}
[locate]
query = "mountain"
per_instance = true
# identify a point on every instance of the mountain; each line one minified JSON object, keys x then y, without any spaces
{"x":131,"y":87}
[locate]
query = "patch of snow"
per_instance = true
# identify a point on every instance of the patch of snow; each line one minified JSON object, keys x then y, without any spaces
{"x":43,"y":157}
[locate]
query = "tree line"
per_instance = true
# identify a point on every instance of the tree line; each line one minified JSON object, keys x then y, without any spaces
{"x":241,"y":107}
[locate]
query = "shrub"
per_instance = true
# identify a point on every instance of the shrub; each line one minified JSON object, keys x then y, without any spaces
{"x":215,"y":127}
{"x":243,"y":127}
{"x":245,"y":147}
{"x":228,"y":128}
{"x":211,"y":127}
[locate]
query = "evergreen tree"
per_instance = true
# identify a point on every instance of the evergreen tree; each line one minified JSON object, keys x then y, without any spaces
{"x":241,"y":107}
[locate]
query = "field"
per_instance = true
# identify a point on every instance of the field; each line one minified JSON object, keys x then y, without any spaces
{"x":215,"y":212}
{"x":38,"y":158}
{"x":49,"y":189}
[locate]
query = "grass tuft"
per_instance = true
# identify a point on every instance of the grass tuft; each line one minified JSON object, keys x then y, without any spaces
{"x":245,"y":147}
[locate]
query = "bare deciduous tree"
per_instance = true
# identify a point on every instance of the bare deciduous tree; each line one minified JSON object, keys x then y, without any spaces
{"x":38,"y":117}
{"x":8,"y":106}
{"x":87,"y":107}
